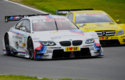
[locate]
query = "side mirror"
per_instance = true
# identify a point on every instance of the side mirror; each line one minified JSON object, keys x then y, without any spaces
{"x":118,"y":21}
{"x":23,"y":28}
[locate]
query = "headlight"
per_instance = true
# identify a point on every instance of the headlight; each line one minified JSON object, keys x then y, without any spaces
{"x":120,"y":32}
{"x":89,"y":41}
{"x":48,"y":43}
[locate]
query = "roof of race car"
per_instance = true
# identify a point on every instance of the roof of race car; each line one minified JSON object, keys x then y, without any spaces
{"x":87,"y":11}
{"x":45,"y":17}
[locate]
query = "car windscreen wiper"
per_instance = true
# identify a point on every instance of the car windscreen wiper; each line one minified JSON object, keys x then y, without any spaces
{"x":56,"y":24}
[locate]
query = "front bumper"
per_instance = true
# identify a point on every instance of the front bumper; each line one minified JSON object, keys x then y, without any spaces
{"x":85,"y":52}
{"x":59,"y":52}
{"x":112,"y":40}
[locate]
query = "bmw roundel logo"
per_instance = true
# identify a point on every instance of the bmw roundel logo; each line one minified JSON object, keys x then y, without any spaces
{"x":70,"y":39}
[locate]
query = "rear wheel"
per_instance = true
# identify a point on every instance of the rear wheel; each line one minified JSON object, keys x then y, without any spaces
{"x":30,"y":48}
{"x":7,"y":46}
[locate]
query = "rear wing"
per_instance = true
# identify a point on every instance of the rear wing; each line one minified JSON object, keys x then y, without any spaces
{"x":63,"y":12}
{"x":19,"y":17}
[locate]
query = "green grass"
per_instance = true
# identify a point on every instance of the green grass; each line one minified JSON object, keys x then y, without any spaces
{"x":19,"y":77}
{"x":116,"y":8}
{"x":12,"y":77}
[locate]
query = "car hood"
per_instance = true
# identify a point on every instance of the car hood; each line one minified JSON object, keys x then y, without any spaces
{"x":59,"y":35}
{"x":99,"y":26}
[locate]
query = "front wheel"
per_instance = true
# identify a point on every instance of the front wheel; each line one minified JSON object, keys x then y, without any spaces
{"x":30,"y":48}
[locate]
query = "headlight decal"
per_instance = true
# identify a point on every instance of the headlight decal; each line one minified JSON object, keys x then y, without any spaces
{"x":89,"y":41}
{"x":48,"y":43}
{"x":120,"y":32}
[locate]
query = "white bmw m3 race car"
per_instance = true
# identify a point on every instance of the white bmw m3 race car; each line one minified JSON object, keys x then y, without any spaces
{"x":45,"y":36}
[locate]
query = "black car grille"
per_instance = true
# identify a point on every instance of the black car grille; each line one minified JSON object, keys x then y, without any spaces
{"x":65,"y":43}
{"x":69,"y":43}
{"x":105,"y":33}
{"x":77,"y":42}
{"x":109,"y":42}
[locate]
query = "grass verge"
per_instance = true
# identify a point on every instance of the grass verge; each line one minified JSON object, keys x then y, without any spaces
{"x":116,"y":8}
{"x":20,"y":77}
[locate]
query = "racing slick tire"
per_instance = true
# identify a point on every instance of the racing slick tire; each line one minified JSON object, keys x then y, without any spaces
{"x":30,"y":48}
{"x":7,"y":46}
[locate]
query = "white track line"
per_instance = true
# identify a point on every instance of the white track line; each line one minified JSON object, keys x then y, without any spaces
{"x":26,"y":6}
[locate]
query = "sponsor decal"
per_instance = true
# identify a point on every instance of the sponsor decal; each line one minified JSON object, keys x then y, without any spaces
{"x":18,"y":37}
{"x":77,"y":31}
{"x":4,"y":51}
{"x":105,"y":38}
{"x":69,"y":49}
{"x":14,"y":17}
{"x":17,"y":45}
{"x":95,"y":14}
{"x":54,"y":47}
{"x":17,"y":33}
{"x":23,"y":44}
{"x":19,"y":52}
{"x":56,"y":37}
{"x":102,"y":37}
{"x":88,"y":14}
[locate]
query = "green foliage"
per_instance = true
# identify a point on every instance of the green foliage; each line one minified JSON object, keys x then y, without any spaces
{"x":20,"y":77}
{"x":116,"y":8}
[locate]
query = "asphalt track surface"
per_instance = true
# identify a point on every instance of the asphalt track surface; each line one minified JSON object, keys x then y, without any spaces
{"x":110,"y":67}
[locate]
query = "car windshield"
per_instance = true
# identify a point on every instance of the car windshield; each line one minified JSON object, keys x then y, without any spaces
{"x":52,"y":24}
{"x":92,"y":18}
